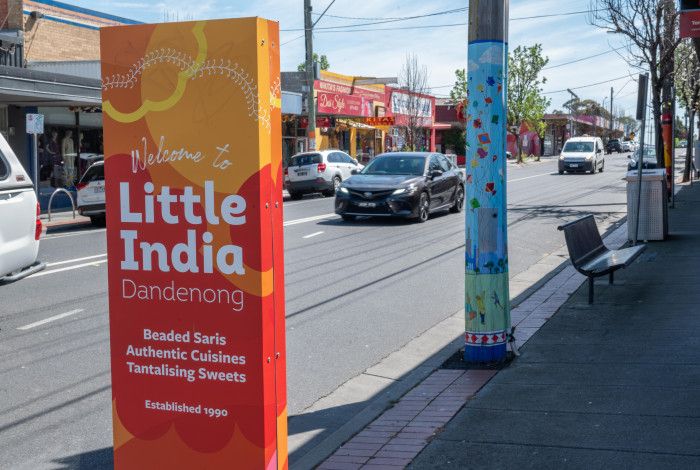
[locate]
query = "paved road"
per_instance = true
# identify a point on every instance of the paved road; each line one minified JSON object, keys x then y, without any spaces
{"x":355,"y":293}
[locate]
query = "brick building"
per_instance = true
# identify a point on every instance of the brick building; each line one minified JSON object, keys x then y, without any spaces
{"x":49,"y":64}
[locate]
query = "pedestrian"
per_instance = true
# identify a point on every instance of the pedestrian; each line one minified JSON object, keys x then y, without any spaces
{"x":54,"y":153}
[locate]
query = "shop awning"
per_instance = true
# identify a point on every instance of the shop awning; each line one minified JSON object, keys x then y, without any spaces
{"x":352,"y":123}
{"x":442,"y":126}
{"x":24,"y":87}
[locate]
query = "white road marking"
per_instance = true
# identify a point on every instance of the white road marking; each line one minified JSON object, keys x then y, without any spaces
{"x":313,"y":235}
{"x":50,"y":319}
{"x":309,"y":219}
{"x":530,"y":177}
{"x":67,"y":268}
{"x":68,"y":261}
{"x":75,"y":234}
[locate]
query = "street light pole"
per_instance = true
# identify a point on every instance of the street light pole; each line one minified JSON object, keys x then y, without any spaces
{"x":487,"y":299}
{"x":311,"y":101}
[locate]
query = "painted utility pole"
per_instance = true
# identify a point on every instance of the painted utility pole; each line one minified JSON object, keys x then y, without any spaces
{"x":487,"y":302}
{"x":311,"y":101}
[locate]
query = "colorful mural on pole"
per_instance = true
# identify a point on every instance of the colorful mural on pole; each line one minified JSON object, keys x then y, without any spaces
{"x":193,"y":165}
{"x":487,"y":303}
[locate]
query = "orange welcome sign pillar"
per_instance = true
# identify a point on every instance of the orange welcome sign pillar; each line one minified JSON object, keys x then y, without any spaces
{"x":193,"y":158}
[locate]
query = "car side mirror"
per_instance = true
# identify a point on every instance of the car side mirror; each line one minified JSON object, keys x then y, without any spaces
{"x":436,"y":173}
{"x":354,"y":171}
{"x":355,"y":162}
{"x":629,"y":156}
{"x":600,"y":151}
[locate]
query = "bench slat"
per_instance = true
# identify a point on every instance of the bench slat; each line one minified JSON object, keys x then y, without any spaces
{"x":613,"y":259}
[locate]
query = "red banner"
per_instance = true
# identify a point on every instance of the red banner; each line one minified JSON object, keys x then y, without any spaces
{"x":195,"y":244}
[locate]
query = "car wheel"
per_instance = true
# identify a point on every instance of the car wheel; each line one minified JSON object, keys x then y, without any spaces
{"x":98,"y":220}
{"x":594,"y":168}
{"x":602,"y":166}
{"x":423,"y":208}
{"x":296,"y":196}
{"x":561,"y":172}
{"x":348,"y":218}
{"x":336,"y":185}
{"x":459,"y":201}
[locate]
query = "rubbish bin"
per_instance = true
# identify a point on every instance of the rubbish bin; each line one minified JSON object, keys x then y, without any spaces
{"x":653,"y":217}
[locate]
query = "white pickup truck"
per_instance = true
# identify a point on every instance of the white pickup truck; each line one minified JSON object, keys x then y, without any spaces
{"x":20,"y":227}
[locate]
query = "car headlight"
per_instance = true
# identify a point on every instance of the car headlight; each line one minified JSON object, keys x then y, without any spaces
{"x":344,"y":190}
{"x":407,"y":190}
{"x":561,"y":157}
{"x":589,"y":157}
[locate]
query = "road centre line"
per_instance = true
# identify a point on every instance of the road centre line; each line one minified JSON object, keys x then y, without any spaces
{"x":310,"y":219}
{"x":58,"y":263}
{"x":313,"y":235}
{"x":50,"y":319}
{"x":67,"y":268}
{"x":530,"y":177}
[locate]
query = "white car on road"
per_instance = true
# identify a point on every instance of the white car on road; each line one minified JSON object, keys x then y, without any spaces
{"x":20,"y":227}
{"x":91,"y":193}
{"x":322,"y":171}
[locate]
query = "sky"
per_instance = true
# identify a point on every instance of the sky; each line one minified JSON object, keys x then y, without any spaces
{"x":443,"y":49}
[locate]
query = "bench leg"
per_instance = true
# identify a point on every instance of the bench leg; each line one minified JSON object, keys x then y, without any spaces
{"x":612,"y":278}
{"x":590,"y":290}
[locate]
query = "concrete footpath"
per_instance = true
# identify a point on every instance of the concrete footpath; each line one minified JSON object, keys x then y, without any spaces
{"x":613,"y":384}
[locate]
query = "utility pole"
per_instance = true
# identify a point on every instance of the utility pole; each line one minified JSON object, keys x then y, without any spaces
{"x":311,"y":101}
{"x":487,"y":299}
{"x":612,"y":116}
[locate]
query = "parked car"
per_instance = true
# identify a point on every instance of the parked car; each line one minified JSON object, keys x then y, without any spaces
{"x":322,"y":171}
{"x":613,"y":145}
{"x":626,"y":146}
{"x":20,"y":226}
{"x":682,"y":144}
{"x":91,"y":193}
{"x":402,"y":184}
{"x":582,"y":154}
{"x":649,"y":162}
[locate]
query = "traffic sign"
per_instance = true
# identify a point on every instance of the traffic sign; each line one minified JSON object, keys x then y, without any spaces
{"x":35,"y":123}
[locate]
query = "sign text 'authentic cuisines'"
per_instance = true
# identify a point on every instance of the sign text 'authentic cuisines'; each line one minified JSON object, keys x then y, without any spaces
{"x":193,"y":171}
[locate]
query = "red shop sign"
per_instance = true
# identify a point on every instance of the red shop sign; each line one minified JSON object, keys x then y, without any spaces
{"x":343,"y":105}
{"x":690,"y":24}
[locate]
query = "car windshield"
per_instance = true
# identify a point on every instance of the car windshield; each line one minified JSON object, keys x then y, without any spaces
{"x":649,"y":153}
{"x":395,"y":165}
{"x":306,"y":159}
{"x":578,"y":147}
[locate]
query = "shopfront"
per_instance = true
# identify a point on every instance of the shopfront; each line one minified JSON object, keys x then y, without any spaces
{"x":72,"y":136}
{"x":346,"y":112}
{"x":414,"y":116}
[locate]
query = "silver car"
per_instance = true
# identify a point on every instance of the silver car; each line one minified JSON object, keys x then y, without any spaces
{"x":321,"y":171}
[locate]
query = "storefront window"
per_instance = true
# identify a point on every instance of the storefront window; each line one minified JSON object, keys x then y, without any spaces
{"x":71,"y":143}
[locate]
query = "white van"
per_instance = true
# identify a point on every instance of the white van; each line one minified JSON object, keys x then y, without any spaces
{"x":581,"y":154}
{"x":20,"y":227}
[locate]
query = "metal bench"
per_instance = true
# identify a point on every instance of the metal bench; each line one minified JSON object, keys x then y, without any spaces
{"x":590,"y":256}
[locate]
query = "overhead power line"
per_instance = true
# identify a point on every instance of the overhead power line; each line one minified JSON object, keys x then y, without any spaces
{"x":342,"y":28}
{"x":585,"y":86}
{"x":583,"y":58}
{"x":383,"y":21}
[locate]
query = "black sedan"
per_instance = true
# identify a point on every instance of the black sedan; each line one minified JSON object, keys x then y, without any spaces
{"x":411,"y":185}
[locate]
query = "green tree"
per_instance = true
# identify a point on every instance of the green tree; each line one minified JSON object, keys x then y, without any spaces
{"x":459,"y":90}
{"x":526,"y":104}
{"x":687,"y":82}
{"x":323,"y":60}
